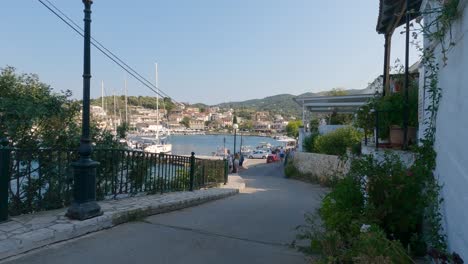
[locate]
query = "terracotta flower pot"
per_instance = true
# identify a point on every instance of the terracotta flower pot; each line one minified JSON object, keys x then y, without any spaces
{"x":397,"y":135}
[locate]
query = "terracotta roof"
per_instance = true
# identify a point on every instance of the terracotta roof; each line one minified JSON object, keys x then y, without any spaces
{"x":389,"y":11}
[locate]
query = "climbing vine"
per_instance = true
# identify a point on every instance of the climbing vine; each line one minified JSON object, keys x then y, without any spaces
{"x":438,"y":35}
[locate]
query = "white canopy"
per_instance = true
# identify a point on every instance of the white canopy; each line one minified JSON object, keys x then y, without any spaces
{"x":340,"y":104}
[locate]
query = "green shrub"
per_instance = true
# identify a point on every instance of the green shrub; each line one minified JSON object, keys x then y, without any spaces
{"x":342,"y":208}
{"x":392,"y":210}
{"x":290,"y":170}
{"x":308,"y":143}
{"x":373,"y":246}
{"x":369,"y":245}
{"x":337,"y":142}
{"x":395,"y":200}
{"x":328,"y":244}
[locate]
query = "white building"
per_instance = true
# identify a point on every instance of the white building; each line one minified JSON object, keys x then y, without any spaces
{"x":451,"y":141}
{"x":98,"y":111}
{"x":197,"y":124}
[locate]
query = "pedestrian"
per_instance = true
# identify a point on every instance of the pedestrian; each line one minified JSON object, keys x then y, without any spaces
{"x":236,"y":163}
{"x":241,"y":161}
{"x":282,"y":154}
{"x":230,"y":161}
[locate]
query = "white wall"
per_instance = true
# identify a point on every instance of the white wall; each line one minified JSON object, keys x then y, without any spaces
{"x":325,"y":129}
{"x":406,"y":157}
{"x":452,"y":138}
{"x":302,"y":135}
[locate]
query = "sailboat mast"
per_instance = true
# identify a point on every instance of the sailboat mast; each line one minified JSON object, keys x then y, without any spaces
{"x":126,"y":102}
{"x":102,"y":95}
{"x":115,"y":115}
{"x":157,"y":100}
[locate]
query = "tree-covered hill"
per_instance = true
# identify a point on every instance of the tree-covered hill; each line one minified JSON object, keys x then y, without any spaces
{"x":282,"y":104}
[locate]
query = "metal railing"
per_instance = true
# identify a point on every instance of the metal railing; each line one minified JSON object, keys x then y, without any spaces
{"x":38,"y":180}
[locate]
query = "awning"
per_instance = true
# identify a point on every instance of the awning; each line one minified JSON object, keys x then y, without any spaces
{"x":392,"y":14}
{"x":339,"y":104}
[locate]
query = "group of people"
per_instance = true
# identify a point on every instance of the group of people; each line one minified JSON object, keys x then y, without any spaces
{"x":234,"y":161}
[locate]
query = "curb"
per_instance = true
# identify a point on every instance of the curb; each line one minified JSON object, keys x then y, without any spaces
{"x":26,"y":233}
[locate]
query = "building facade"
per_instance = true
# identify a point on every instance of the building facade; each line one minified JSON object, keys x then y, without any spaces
{"x":451,"y":142}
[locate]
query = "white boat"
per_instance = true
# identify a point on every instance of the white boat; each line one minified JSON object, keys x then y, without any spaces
{"x":288,"y":143}
{"x":220,"y":152}
{"x":160,"y":145}
{"x":264,"y":145}
{"x":159,"y":148}
{"x":245,"y":150}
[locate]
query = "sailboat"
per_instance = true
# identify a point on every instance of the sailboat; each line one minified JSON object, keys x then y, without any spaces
{"x":161,"y":144}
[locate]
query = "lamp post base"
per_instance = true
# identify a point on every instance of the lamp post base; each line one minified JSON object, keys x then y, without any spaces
{"x":84,"y":211}
{"x":84,"y":205}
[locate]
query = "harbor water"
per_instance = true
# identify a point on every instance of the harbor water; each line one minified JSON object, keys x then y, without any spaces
{"x":207,"y":145}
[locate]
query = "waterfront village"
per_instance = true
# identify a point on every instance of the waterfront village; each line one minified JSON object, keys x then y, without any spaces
{"x":374,"y":175}
{"x":186,"y":119}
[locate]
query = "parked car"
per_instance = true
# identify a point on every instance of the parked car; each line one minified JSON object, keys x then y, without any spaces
{"x":273,"y":158}
{"x":258,"y":154}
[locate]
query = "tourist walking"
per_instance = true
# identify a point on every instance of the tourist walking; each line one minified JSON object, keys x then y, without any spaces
{"x":236,"y":164}
{"x":282,"y":154}
{"x":230,"y":161}
{"x":241,"y":161}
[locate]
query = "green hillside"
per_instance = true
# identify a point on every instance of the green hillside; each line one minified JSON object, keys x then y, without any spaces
{"x":278,"y":104}
{"x":282,"y":104}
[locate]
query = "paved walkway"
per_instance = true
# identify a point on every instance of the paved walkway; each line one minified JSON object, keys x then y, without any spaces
{"x":255,"y":226}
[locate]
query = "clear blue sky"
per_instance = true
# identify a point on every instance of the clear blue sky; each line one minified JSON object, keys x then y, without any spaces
{"x":208,"y":51}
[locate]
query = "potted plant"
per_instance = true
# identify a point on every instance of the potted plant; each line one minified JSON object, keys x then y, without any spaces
{"x":393,"y":109}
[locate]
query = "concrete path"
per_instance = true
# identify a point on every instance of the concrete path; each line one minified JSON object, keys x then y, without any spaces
{"x":255,"y":226}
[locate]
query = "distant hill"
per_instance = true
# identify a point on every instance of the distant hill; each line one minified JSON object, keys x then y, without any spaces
{"x":278,"y":104}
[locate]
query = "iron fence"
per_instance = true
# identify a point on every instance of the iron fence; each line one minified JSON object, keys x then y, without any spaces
{"x":38,"y":180}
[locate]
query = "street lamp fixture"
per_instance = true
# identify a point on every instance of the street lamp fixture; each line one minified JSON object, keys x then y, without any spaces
{"x":84,"y":205}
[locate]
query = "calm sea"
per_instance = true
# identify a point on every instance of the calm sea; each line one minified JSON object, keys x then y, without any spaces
{"x":206,"y":145}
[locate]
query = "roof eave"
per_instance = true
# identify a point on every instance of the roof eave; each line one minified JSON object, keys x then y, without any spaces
{"x":388,"y":10}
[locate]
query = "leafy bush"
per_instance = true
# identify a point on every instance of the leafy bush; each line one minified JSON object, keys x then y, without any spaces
{"x":292,"y":129}
{"x":368,"y":245}
{"x":383,"y":194}
{"x":290,"y":170}
{"x":373,"y":247}
{"x":342,"y":207}
{"x":395,"y":201}
{"x":336,"y":142}
{"x":308,"y":143}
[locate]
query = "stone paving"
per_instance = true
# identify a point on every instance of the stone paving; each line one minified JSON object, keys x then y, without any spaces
{"x":27,"y":232}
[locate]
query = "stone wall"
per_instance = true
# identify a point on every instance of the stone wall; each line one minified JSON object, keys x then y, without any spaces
{"x":320,"y":166}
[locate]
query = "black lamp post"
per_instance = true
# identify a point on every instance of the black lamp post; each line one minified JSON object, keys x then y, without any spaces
{"x":376,"y":131}
{"x":235,"y":126}
{"x":84,"y":204}
{"x":241,"y":141}
{"x":406,"y":109}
